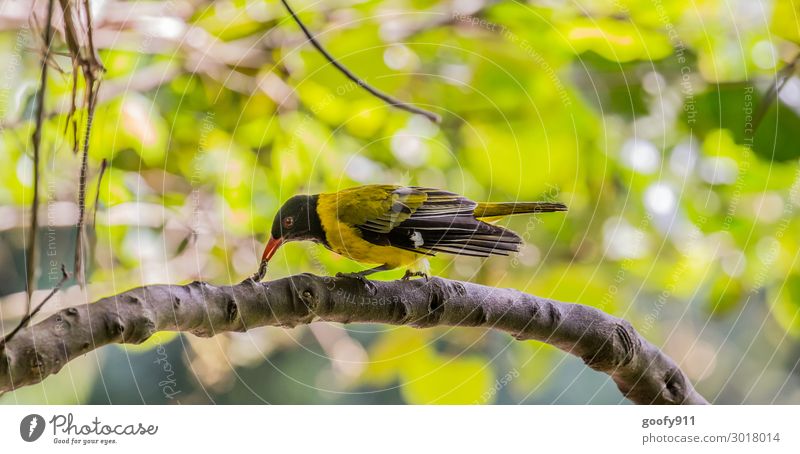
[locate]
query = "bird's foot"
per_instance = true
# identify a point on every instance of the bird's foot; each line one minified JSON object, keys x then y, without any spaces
{"x":250,"y":280}
{"x":258,"y":275}
{"x":371,"y":288}
{"x":409,"y":274}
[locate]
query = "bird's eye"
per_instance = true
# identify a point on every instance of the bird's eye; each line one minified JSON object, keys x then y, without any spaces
{"x":288,"y":222}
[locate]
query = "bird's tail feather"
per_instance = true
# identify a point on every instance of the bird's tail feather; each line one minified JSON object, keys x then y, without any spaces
{"x":487,"y":210}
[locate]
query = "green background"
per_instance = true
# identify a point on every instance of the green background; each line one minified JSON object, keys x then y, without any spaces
{"x":637,"y":114}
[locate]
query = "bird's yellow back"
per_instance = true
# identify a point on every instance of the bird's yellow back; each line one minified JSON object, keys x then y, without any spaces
{"x":340,"y":212}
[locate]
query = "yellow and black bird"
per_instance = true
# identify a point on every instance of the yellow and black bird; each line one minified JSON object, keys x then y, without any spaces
{"x":394,"y":226}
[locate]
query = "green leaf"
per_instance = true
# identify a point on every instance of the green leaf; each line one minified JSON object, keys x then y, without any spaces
{"x":616,"y":40}
{"x":734,"y":107}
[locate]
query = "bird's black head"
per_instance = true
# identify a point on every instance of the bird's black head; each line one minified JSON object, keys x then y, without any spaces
{"x":296,"y":220}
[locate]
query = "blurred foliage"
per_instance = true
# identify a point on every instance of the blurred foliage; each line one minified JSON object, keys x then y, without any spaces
{"x":638,"y":114}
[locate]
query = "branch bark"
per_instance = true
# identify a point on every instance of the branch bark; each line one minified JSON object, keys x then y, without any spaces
{"x":643,"y":373}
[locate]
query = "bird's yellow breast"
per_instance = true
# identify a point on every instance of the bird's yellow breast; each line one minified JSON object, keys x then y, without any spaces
{"x":346,"y":240}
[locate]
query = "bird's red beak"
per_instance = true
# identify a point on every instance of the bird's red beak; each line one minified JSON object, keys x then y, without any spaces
{"x":272,"y":245}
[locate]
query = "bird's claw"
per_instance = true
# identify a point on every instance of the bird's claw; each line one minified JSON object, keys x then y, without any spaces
{"x":409,"y":274}
{"x":250,"y":279}
{"x":371,"y":288}
{"x":259,"y":275}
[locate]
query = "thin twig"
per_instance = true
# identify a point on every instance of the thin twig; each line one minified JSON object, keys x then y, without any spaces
{"x":103,"y":166}
{"x":90,"y":30}
{"x":73,"y":108}
{"x":774,"y":90}
{"x":392,"y":101}
{"x":30,"y":314}
{"x":91,"y":68}
{"x":36,"y":139}
{"x":90,"y":105}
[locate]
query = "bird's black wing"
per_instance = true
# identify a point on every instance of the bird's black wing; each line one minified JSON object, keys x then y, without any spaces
{"x":427,"y":221}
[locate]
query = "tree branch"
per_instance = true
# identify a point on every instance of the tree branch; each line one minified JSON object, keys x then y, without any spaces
{"x":608,"y":344}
